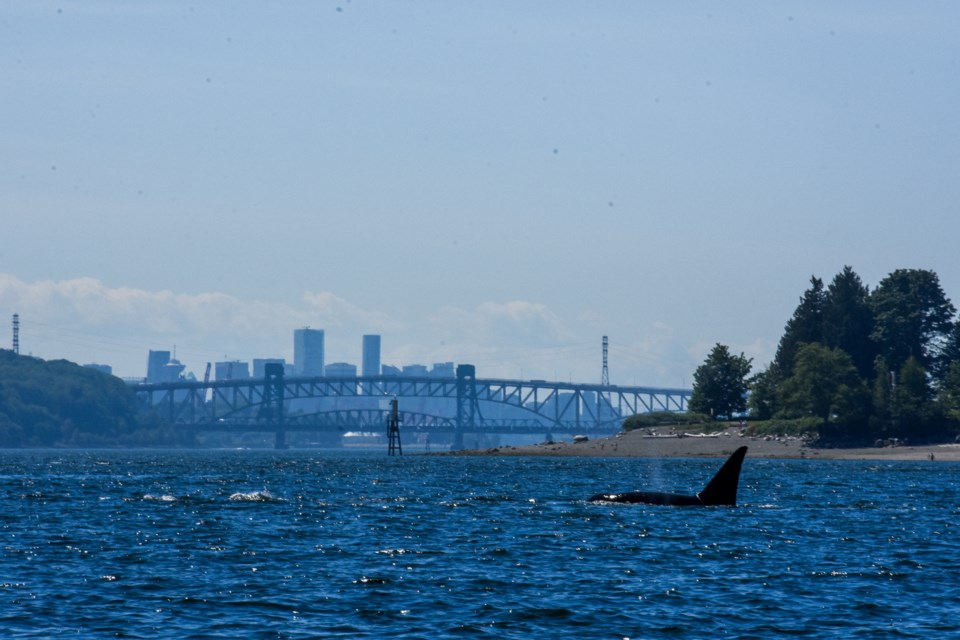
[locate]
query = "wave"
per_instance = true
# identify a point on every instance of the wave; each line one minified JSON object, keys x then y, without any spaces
{"x":166,"y":497}
{"x":255,"y":496}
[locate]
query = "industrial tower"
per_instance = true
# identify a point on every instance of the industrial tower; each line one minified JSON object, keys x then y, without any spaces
{"x":605,"y":376}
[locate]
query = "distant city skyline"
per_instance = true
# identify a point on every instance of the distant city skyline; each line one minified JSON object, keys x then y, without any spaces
{"x":163,"y":367}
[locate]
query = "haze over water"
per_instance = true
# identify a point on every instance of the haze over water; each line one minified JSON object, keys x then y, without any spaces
{"x":300,"y":544}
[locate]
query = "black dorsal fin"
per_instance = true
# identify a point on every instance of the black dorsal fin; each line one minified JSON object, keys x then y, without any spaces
{"x":722,"y":490}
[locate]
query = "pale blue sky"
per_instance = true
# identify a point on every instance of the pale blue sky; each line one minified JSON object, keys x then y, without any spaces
{"x":492,"y":182}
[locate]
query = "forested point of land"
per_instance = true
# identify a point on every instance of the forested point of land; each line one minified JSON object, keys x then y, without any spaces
{"x":853,"y":366}
{"x":61,"y":404}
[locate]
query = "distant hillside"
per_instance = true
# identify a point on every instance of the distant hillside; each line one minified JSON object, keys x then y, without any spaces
{"x":59,"y":403}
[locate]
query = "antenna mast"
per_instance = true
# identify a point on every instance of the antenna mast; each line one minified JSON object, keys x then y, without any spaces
{"x":605,"y":376}
{"x":16,"y":333}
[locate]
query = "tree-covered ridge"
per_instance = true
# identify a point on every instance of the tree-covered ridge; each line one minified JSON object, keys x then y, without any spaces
{"x":59,"y":403}
{"x":864,"y":365}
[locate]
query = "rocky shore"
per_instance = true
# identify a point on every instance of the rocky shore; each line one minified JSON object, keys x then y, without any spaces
{"x":675,"y":443}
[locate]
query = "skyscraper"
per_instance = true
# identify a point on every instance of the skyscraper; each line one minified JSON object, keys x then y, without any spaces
{"x":371,"y":355}
{"x":308,"y":352}
{"x":162,"y":368}
{"x":156,"y":361}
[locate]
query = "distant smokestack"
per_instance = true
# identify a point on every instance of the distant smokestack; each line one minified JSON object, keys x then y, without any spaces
{"x":16,"y":333}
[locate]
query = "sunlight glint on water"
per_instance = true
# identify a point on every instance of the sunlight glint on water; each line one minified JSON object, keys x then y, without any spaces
{"x":330,"y":544}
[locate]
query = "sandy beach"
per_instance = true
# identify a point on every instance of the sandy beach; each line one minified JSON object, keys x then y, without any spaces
{"x":669,"y":443}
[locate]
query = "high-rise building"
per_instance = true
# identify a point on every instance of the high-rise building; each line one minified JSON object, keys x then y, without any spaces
{"x":415,"y":370}
{"x":371,"y":355}
{"x":260,"y":365}
{"x":443,"y":370}
{"x":340,"y":370}
{"x":308,"y":352}
{"x":232,"y":370}
{"x":162,"y":368}
{"x":156,"y":361}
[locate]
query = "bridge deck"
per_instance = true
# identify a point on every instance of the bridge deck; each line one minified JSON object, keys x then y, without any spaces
{"x":465,"y":405}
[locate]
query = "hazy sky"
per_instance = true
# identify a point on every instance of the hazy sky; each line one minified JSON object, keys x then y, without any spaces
{"x":500,"y":183}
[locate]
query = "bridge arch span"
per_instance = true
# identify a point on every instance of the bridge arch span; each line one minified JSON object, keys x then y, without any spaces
{"x":465,"y":404}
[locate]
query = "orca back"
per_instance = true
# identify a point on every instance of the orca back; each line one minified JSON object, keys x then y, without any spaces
{"x":722,"y":489}
{"x":648,"y":497}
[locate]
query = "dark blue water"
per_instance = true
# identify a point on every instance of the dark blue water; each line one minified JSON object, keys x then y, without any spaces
{"x":326,"y":545}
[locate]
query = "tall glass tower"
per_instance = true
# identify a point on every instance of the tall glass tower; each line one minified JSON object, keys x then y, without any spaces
{"x":371,"y":355}
{"x":156,"y":361}
{"x":308,"y":352}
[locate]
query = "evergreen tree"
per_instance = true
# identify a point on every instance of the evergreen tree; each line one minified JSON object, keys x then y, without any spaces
{"x":950,"y":353}
{"x":824,"y":385}
{"x":912,"y":318}
{"x":719,"y":384}
{"x":848,"y":320}
{"x":915,"y":417}
{"x":949,"y":395}
{"x":804,"y":327}
{"x":763,"y":394}
{"x":882,"y":398}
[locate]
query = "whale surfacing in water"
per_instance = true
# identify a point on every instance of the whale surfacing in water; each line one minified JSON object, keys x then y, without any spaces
{"x":720,"y":491}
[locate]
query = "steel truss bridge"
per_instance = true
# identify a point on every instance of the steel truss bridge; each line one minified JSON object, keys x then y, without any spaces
{"x":455,"y":406}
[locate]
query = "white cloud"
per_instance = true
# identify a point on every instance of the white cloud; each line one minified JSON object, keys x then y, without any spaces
{"x":329,"y":309}
{"x":85,"y":320}
{"x":656,"y":357}
{"x":515,"y":323}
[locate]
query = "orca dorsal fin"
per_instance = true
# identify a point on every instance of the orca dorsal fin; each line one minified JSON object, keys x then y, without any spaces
{"x":722,"y":489}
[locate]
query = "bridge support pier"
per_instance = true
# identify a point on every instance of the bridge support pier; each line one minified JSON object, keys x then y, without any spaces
{"x":272,"y":408}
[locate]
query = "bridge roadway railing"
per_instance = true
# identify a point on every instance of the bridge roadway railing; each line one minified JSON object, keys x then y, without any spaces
{"x":427,"y":404}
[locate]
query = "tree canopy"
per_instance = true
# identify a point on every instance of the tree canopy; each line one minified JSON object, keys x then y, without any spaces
{"x":59,"y":403}
{"x":805,"y":326}
{"x":824,"y":384}
{"x":720,"y":385}
{"x":848,"y":320}
{"x":912,"y":318}
{"x":867,"y":365}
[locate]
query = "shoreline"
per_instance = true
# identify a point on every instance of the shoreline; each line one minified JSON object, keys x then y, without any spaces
{"x":674,"y":443}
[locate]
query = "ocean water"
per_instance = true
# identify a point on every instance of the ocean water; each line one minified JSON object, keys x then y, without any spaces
{"x":312,"y":544}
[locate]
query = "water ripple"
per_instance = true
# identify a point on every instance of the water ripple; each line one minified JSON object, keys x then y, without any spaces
{"x":156,"y":544}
